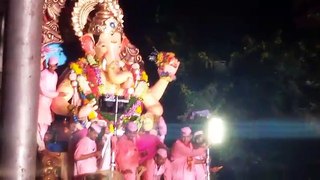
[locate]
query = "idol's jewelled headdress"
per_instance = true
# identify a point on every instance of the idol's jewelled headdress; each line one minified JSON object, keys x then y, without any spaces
{"x":106,"y":9}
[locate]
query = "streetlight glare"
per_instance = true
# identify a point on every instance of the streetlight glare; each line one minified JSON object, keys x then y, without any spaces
{"x":216,"y":130}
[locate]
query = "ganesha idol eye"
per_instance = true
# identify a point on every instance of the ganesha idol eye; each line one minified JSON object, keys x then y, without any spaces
{"x":113,"y":25}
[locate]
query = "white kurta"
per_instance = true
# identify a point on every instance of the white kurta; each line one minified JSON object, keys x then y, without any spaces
{"x":48,"y":86}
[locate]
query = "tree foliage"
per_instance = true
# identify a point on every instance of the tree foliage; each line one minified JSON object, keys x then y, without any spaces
{"x":265,"y":78}
{"x":275,"y":75}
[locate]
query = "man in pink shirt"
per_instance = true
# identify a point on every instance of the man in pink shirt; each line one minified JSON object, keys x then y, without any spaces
{"x":158,"y":166}
{"x":127,"y":154}
{"x":48,"y":87}
{"x":147,"y":142}
{"x":76,"y":134}
{"x":182,"y":156}
{"x":200,"y":164}
{"x":86,"y":152}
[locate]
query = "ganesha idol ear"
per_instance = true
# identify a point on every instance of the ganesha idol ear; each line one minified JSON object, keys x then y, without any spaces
{"x":125,"y":41}
{"x":87,"y":43}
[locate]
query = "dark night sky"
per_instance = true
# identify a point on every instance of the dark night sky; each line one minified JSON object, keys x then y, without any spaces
{"x":217,"y":26}
{"x":209,"y":22}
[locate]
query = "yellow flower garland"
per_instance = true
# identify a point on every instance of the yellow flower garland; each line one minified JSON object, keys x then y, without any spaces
{"x":76,"y":68}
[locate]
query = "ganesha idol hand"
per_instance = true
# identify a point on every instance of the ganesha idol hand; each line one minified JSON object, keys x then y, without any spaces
{"x":170,"y":69}
{"x":85,"y":110}
{"x":128,"y":84}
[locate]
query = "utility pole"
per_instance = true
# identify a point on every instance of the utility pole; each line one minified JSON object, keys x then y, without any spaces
{"x":21,"y":89}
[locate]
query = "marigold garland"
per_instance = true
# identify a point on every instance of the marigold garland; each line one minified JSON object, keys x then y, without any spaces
{"x":144,"y":76}
{"x":76,"y":68}
{"x":88,"y":68}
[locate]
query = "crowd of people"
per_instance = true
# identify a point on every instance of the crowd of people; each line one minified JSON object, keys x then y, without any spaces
{"x":140,"y":154}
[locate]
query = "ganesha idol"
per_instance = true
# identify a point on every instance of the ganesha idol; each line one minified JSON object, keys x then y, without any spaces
{"x":112,"y":70}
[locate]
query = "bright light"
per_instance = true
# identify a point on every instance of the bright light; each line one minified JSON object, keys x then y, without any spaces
{"x":216,"y":130}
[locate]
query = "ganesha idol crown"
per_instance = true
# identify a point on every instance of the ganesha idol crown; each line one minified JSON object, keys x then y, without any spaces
{"x":105,"y":10}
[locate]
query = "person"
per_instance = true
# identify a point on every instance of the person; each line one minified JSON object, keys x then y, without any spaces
{"x":52,"y":49}
{"x":157,"y":167}
{"x":200,"y":164}
{"x":127,"y":154}
{"x":147,"y":142}
{"x":76,"y":135}
{"x":86,"y":153}
{"x":182,"y":156}
{"x":48,"y":86}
